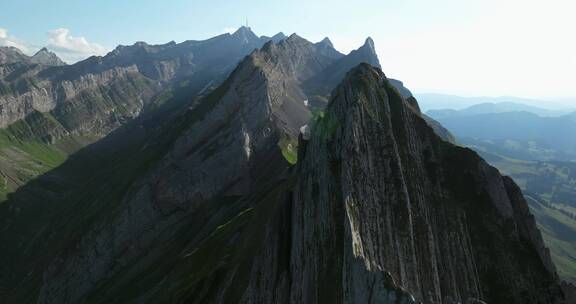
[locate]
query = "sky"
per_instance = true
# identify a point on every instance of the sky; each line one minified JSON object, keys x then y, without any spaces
{"x":524,"y":48}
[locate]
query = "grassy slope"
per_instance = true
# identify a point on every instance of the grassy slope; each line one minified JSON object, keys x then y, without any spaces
{"x":24,"y":154}
{"x":559,"y":231}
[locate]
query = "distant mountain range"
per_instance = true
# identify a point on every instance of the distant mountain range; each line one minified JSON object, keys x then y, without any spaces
{"x":12,"y":55}
{"x":520,"y":135}
{"x":494,"y":108}
{"x":430,"y":101}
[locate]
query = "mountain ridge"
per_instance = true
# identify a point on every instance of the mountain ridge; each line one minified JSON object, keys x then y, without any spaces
{"x":222,"y":200}
{"x":270,"y":116}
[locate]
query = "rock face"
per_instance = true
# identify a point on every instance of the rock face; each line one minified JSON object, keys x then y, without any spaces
{"x":378,"y":189}
{"x":413,"y":103}
{"x":569,"y":291}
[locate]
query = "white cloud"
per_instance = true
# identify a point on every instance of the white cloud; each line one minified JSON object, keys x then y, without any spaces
{"x":7,"y":40}
{"x":71,"y":48}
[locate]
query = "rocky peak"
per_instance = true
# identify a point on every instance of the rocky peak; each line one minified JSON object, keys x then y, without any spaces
{"x":278,"y":37}
{"x":326,"y":41}
{"x":46,"y":57}
{"x":10,"y":49}
{"x":327,"y":48}
{"x":245,"y":35}
{"x":298,"y":58}
{"x":389,"y":200}
{"x":43,"y":50}
{"x":295,"y":39}
{"x":369,"y":45}
{"x":140,"y":44}
{"x":10,"y":54}
{"x":341,"y":64}
{"x":367,"y":53}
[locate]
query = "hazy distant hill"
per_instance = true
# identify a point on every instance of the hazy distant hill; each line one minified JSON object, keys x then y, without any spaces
{"x":491,"y":108}
{"x":429,"y":101}
{"x":519,"y":135}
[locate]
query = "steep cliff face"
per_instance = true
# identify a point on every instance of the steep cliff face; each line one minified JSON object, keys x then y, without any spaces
{"x":378,"y":188}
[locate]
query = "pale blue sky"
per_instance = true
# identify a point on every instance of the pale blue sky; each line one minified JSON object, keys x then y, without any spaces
{"x":472,"y":47}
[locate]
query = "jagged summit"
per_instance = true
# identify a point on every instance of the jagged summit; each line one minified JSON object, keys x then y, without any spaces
{"x":295,"y":38}
{"x":366,"y":53}
{"x":245,"y":34}
{"x":278,"y":37}
{"x":369,"y":44}
{"x":11,"y":48}
{"x":275,"y":39}
{"x":243,"y":30}
{"x":10,"y":54}
{"x":43,"y":50}
{"x":327,"y":48}
{"x":46,"y":57}
{"x":326,"y":41}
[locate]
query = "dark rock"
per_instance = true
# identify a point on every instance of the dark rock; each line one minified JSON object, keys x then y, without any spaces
{"x":377,"y":188}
